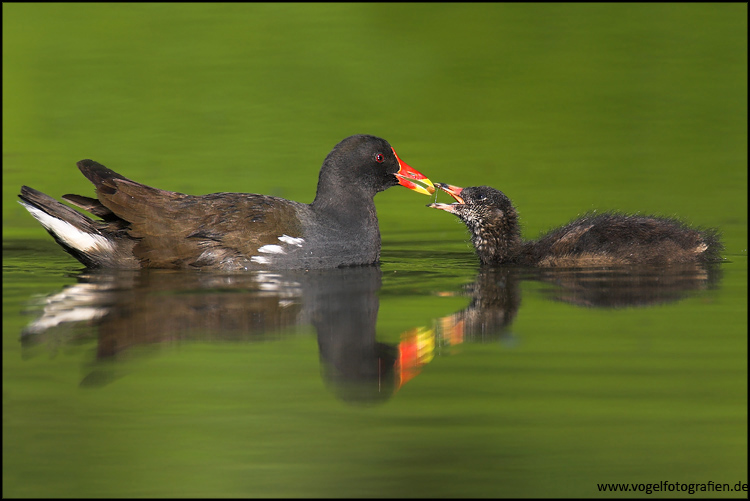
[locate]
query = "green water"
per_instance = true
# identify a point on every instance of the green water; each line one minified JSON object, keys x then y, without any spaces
{"x":566,"y":108}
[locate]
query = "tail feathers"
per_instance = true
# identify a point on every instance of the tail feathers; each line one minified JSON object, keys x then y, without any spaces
{"x":711,"y":239}
{"x":91,"y":205}
{"x":76,"y":233}
{"x":99,"y":175}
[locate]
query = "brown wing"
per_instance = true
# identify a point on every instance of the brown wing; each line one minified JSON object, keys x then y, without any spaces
{"x":175,"y":230}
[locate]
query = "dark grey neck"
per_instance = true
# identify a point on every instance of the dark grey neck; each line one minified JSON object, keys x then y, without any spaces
{"x":345,"y":227}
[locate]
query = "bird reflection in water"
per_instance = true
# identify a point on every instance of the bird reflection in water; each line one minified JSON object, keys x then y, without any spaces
{"x":127,"y":309}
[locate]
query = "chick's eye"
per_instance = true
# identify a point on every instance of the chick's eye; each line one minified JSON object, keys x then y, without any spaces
{"x":379,"y":158}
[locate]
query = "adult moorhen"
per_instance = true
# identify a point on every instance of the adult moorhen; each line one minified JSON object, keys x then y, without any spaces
{"x":605,"y":239}
{"x":144,"y":227}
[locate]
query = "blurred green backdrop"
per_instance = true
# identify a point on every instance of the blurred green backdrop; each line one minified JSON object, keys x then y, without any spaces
{"x":564,"y":107}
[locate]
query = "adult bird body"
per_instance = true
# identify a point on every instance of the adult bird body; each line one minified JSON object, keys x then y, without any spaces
{"x":145,"y":227}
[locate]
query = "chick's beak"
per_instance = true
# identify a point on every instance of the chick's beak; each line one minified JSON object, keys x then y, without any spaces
{"x":453,"y":191}
{"x":413,"y":179}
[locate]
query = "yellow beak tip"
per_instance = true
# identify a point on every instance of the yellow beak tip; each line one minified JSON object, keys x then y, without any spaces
{"x":425,"y":187}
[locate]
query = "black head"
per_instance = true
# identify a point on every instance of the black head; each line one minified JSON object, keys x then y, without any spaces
{"x":476,"y":205}
{"x":364,"y":164}
{"x":490,"y":217}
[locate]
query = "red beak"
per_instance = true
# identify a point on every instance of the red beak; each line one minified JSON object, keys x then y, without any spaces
{"x":407,"y":175}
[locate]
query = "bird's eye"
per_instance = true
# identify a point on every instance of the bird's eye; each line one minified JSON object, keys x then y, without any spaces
{"x":379,"y":158}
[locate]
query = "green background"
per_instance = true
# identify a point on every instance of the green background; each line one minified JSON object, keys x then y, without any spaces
{"x":563,"y":107}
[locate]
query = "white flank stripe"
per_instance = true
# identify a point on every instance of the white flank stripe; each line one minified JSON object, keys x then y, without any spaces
{"x":272,"y":249}
{"x":260,"y":259}
{"x":68,"y":233}
{"x":292,"y":240}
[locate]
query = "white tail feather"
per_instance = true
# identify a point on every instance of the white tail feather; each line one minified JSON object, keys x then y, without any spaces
{"x":75,"y":238}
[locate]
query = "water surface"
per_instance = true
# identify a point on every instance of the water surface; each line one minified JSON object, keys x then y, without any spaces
{"x":370,"y":380}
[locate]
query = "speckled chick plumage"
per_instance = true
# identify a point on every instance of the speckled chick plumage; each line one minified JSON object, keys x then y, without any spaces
{"x":595,"y":239}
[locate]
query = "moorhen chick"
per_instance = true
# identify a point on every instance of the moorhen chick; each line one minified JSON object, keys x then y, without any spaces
{"x":144,"y":227}
{"x":604,"y":239}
